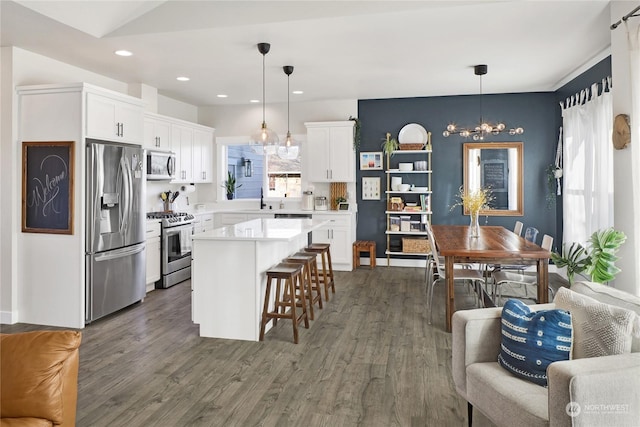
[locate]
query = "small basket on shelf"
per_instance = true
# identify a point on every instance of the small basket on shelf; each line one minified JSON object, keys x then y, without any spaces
{"x":415,"y":245}
{"x":417,"y":146}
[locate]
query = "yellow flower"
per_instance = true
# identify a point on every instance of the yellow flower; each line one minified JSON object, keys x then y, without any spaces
{"x":474,"y":200}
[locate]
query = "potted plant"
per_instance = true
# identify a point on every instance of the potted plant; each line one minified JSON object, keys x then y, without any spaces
{"x":597,"y":260}
{"x":390,"y":145}
{"x":230,"y":185}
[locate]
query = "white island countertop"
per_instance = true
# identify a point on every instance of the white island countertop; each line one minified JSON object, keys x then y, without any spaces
{"x":265,"y":229}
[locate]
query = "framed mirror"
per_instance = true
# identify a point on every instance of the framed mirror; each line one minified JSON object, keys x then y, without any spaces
{"x":498,"y":166}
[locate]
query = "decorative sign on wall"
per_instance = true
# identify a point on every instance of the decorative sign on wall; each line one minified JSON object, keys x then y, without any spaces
{"x":47,"y":187}
{"x":370,"y":188}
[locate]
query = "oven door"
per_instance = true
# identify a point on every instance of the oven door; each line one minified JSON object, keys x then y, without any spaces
{"x":176,"y":248}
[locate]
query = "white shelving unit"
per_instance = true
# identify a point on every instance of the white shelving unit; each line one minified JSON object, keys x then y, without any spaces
{"x":417,"y":178}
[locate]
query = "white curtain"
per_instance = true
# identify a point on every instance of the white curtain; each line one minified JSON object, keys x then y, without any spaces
{"x":634,"y":59}
{"x":588,"y":163}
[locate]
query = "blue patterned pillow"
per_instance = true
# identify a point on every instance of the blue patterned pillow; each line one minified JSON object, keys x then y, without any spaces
{"x":531,"y":341}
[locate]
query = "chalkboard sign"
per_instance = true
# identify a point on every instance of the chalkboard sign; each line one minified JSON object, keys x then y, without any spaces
{"x":494,"y":175}
{"x":47,"y":187}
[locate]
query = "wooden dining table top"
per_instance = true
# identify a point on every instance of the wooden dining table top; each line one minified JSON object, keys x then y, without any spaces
{"x":494,"y":242}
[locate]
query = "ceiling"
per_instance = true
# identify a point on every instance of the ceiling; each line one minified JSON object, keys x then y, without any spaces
{"x":340,"y":49}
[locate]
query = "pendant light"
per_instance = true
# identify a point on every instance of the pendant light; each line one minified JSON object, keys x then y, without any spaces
{"x":290,"y":149}
{"x":483,"y":128}
{"x":264,"y":140}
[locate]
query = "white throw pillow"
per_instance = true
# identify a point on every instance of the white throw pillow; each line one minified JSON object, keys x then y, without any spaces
{"x":599,"y":329}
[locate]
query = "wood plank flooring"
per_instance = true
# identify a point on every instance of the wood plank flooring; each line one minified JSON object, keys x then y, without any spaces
{"x":369,"y":359}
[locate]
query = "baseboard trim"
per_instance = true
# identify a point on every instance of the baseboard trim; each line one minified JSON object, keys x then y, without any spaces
{"x":8,"y":317}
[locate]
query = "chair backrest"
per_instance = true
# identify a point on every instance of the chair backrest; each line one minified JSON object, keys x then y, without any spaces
{"x":518,"y":228}
{"x":547,"y":242}
{"x":531,"y":234}
{"x":434,"y":250}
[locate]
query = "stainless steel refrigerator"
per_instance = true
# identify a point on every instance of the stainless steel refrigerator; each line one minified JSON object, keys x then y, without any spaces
{"x":115,"y":248}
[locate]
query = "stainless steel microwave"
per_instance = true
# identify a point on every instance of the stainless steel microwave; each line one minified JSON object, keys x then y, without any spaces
{"x":161,"y":165}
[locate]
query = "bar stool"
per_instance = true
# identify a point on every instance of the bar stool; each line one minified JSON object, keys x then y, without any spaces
{"x":285,"y":297}
{"x":364,"y":246}
{"x":308,"y":262}
{"x":323,"y":249}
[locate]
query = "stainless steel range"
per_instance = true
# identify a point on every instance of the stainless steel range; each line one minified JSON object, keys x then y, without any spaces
{"x":177,"y":228}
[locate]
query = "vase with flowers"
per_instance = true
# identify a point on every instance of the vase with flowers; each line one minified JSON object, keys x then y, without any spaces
{"x":473,"y":201}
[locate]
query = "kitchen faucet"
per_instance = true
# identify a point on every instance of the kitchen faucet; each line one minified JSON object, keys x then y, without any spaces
{"x":262,"y":203}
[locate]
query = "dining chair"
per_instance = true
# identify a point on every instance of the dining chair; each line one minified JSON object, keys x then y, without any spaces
{"x":518,"y":228}
{"x":531,"y":234}
{"x":467,"y":274}
{"x":502,"y":278}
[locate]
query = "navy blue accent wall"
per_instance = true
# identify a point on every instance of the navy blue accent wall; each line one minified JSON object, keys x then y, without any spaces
{"x":538,"y":113}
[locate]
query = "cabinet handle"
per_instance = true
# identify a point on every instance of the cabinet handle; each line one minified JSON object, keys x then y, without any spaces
{"x":117,"y":129}
{"x":122,"y":129}
{"x":204,"y":175}
{"x":157,"y":141}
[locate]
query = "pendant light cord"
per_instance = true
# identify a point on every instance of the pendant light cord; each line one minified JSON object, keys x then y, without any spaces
{"x":263,"y":91}
{"x":288,"y":103}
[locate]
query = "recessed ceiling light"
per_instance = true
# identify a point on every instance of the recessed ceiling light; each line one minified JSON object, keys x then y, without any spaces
{"x":297,"y":92}
{"x":182,"y":79}
{"x":254,"y":101}
{"x":222,"y":95}
{"x":123,"y":53}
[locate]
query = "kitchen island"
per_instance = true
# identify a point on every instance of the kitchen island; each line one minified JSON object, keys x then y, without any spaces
{"x":228,"y":268}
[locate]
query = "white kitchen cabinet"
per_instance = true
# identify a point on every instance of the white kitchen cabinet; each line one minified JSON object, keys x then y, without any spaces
{"x":182,"y":145}
{"x":340,"y":234}
{"x":203,"y":222}
{"x":157,"y":133}
{"x":152,"y":240}
{"x":330,"y":153}
{"x":202,"y":156}
{"x":114,"y":119}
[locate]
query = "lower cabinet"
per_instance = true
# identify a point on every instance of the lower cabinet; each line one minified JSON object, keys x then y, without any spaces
{"x":202,"y":223}
{"x":152,"y":239}
{"x":340,"y":234}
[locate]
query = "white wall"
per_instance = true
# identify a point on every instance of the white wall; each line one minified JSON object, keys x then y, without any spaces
{"x":623,"y":194}
{"x":177,"y":109}
{"x":239,"y":120}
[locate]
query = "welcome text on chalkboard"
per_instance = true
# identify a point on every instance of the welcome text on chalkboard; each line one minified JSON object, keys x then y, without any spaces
{"x":47,"y":187}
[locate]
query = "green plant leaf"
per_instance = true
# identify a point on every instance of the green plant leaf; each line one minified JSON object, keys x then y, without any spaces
{"x":603,"y":246}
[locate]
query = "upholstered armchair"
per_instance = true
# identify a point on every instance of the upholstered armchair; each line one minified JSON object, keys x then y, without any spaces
{"x":589,"y":391}
{"x":39,"y":378}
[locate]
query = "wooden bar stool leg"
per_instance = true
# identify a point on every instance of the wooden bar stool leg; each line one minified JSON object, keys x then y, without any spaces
{"x":292,"y":291}
{"x":333,"y":285}
{"x":325,"y":276}
{"x":303,"y":298}
{"x":265,"y":309}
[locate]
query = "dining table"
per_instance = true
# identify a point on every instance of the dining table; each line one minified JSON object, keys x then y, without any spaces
{"x":493,"y":245}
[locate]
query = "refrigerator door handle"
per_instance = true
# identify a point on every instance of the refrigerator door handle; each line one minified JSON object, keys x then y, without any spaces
{"x":127,"y":189}
{"x":119,"y":253}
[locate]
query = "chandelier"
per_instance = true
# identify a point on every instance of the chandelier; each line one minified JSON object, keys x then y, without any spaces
{"x":478,"y":133}
{"x":264,"y":140}
{"x":289,"y":149}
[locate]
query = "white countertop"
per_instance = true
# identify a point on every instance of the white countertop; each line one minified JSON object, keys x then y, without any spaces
{"x":265,"y":229}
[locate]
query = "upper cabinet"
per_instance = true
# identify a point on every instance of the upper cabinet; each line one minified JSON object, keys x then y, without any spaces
{"x":157,"y":133}
{"x":114,"y":118}
{"x":192,"y":143}
{"x":202,"y":155}
{"x":181,"y":144}
{"x":330,"y":153}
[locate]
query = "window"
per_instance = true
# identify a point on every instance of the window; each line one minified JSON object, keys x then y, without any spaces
{"x":275,"y":176}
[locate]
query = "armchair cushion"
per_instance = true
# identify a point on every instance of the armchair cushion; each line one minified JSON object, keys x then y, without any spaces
{"x":600,"y":329}
{"x":39,"y":376}
{"x":531,"y":341}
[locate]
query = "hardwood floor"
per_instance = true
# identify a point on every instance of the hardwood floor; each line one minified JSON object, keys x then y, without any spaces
{"x":369,"y":359}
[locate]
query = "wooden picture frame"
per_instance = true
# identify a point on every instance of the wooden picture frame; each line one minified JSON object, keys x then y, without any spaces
{"x":47,"y":187}
{"x":371,"y":160}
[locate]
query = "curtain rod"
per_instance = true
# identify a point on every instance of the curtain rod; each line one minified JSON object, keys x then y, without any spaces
{"x":625,"y":17}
